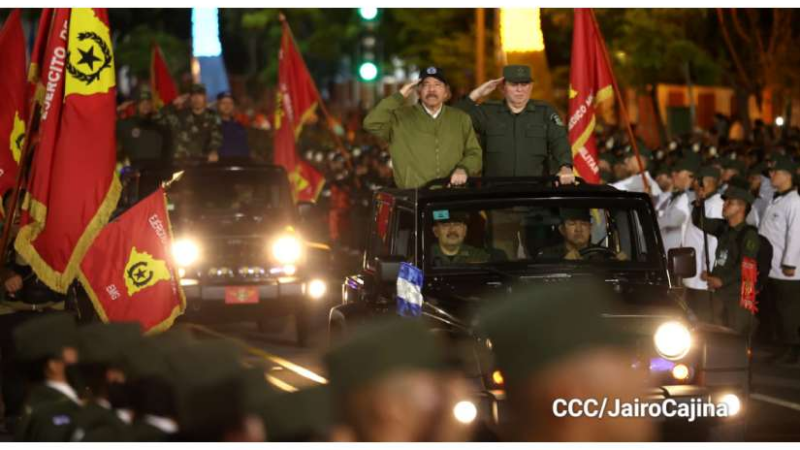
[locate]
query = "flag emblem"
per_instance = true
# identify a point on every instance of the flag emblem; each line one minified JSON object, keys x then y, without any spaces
{"x":143,"y":271}
{"x":89,"y":60}
{"x":17,"y":136}
{"x":409,"y":291}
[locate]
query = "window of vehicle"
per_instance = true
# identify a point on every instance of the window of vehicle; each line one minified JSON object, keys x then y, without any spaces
{"x":378,"y":244}
{"x":229,"y":192}
{"x":595,"y":232}
{"x":403,"y":244}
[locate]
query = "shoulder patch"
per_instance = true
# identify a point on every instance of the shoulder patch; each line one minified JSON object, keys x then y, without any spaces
{"x":556,"y":119}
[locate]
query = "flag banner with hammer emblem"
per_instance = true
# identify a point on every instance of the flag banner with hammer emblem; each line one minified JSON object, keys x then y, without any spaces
{"x":129,"y":271}
{"x":590,"y":82}
{"x":13,"y":107}
{"x":73,"y":187}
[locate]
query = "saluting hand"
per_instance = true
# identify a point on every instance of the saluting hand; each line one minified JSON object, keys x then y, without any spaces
{"x":408,"y":88}
{"x":485,"y":89}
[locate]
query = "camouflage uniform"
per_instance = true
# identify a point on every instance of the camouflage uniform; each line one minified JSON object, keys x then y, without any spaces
{"x":467,"y":254}
{"x":193,"y":135}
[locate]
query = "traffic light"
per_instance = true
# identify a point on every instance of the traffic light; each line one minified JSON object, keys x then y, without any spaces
{"x":368,"y":67}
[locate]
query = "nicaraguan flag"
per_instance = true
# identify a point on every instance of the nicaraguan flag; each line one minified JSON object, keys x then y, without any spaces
{"x":409,"y":291}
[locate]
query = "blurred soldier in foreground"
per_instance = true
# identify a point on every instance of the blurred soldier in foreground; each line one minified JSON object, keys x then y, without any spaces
{"x":550,"y":342}
{"x":389,"y":383}
{"x":738,"y":244}
{"x":521,"y":137}
{"x":101,"y":347}
{"x":196,"y":131}
{"x":141,"y":141}
{"x":47,"y":349}
{"x":428,"y":140}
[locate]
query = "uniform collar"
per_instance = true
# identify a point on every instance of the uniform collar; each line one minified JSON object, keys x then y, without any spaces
{"x":432,"y":115}
{"x":781,"y":194}
{"x":65,"y":389}
{"x":530,"y":106}
{"x":676,"y":194}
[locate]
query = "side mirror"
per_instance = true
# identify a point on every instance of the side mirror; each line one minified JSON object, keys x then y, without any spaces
{"x":387,"y":268}
{"x":682,"y":262}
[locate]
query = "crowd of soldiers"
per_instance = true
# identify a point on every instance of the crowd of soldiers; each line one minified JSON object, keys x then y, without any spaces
{"x":390,"y":380}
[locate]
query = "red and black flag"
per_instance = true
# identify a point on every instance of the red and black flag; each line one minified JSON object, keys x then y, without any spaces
{"x":13,"y":101}
{"x":72,"y":188}
{"x":297,"y":99}
{"x":590,"y":82}
{"x":129,"y":271}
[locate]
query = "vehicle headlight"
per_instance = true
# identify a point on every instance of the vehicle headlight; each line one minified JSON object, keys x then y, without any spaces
{"x":317,"y":289}
{"x":673,"y":340}
{"x":185,"y":251}
{"x":287,"y":250}
{"x":465,"y":411}
{"x":732,"y":402}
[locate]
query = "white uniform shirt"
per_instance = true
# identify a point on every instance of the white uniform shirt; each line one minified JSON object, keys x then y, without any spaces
{"x":694,"y":238}
{"x":673,"y":220}
{"x":781,"y":226}
{"x":634,"y":184}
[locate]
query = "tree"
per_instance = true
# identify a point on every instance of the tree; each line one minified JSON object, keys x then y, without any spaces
{"x":134,"y":50}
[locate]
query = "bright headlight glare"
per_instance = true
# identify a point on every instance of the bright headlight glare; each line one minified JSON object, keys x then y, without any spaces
{"x":732,"y":402}
{"x":287,"y":249}
{"x":316,"y":289}
{"x":673,"y":340}
{"x":465,"y":411}
{"x":186,"y":252}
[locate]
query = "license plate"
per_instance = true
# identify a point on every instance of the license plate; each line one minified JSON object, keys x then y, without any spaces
{"x":240,"y":295}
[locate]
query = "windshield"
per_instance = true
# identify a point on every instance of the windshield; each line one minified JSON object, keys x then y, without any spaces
{"x":247,"y":192}
{"x":597,"y":232}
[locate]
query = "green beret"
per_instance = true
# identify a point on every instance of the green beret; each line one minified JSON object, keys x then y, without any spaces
{"x":302,"y":415}
{"x":100,"y":343}
{"x":380,"y":349}
{"x":784,"y":163}
{"x":735,"y":192}
{"x":197,"y":88}
{"x":581,"y":214}
{"x":517,"y":74}
{"x":45,"y":336}
{"x":540,"y":325}
{"x":709,"y":171}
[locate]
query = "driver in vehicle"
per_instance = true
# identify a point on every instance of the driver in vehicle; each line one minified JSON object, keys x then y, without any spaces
{"x":450,"y":230}
{"x":576,"y":229}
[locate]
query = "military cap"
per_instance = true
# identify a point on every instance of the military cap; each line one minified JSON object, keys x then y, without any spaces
{"x":609,"y":157}
{"x":380,"y":349}
{"x":144,"y":94}
{"x":540,"y":325}
{"x":644,"y":152}
{"x":757,"y":169}
{"x":728,"y":163}
{"x":687,"y":164}
{"x":100,"y":343}
{"x":581,"y":214}
{"x":663,"y":169}
{"x":709,"y":171}
{"x":224,"y":94}
{"x":302,"y":415}
{"x":45,"y":336}
{"x":735,"y":192}
{"x":197,"y":88}
{"x":434,"y":72}
{"x":785,"y":163}
{"x":517,"y":74}
{"x":442,"y":216}
{"x":209,"y":387}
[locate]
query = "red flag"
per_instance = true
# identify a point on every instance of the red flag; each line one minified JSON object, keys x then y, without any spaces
{"x":161,"y":83}
{"x":36,"y":89}
{"x":73,"y":188}
{"x":297,"y":99}
{"x":747,"y":299}
{"x":13,"y":107}
{"x":129,"y":272}
{"x":591,"y":82}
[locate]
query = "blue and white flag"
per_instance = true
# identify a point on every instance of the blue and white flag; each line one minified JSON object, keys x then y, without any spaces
{"x":409,"y":291}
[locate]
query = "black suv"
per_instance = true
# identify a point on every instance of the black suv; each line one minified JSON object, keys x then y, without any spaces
{"x":240,"y":244}
{"x":512,"y":228}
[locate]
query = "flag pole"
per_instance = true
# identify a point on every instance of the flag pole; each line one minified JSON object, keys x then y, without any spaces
{"x":622,"y":108}
{"x":328,"y":118}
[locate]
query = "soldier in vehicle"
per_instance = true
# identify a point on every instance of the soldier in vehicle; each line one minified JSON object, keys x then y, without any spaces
{"x":450,"y":230}
{"x":576,"y":229}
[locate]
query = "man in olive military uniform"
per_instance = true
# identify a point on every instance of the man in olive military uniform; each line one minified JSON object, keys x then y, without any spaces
{"x":576,"y":229}
{"x":550,"y":342}
{"x":520,"y":136}
{"x":141,"y":141}
{"x":450,"y":230}
{"x":47,"y":349}
{"x":196,"y":131}
{"x":735,"y":241}
{"x":428,"y":140}
{"x":101,"y":348}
